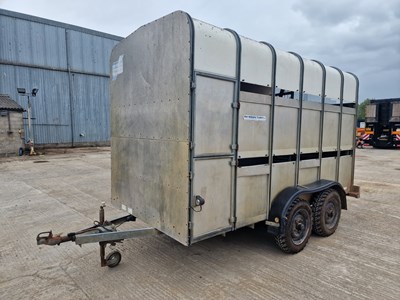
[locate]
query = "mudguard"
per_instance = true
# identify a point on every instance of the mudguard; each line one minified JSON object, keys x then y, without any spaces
{"x":281,"y":203}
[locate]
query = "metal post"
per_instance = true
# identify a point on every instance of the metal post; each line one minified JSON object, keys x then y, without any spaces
{"x":30,"y":138}
{"x":23,"y":92}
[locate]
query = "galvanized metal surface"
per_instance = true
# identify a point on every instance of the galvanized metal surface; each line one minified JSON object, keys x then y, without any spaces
{"x":252,"y":128}
{"x":70,"y":67}
{"x":211,"y":39}
{"x":151,"y":125}
{"x":213,"y":106}
{"x":114,"y":236}
{"x":266,"y":125}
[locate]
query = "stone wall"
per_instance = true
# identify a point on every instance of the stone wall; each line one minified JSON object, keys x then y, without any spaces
{"x":10,"y":139}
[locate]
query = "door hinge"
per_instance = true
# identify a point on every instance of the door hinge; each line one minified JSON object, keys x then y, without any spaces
{"x":193,"y":85}
{"x":190,"y":175}
{"x":234,"y":146}
{"x":233,"y":163}
{"x":232,"y":220}
{"x":190,"y":225}
{"x":191,"y":145}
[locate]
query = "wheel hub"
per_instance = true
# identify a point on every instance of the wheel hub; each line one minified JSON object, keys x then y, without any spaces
{"x":330,"y":214}
{"x":299,"y":228}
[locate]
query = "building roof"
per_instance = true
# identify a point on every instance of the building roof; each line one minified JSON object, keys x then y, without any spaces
{"x":6,"y":103}
{"x":30,"y":18}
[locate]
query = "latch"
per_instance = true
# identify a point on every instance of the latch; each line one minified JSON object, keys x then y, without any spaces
{"x":198,"y":201}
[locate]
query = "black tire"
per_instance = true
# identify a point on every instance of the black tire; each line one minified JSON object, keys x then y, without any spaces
{"x":113,"y":259}
{"x":326,"y":212}
{"x":298,"y":227}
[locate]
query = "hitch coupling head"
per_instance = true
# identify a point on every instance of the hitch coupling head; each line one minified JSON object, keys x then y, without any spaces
{"x":47,"y":238}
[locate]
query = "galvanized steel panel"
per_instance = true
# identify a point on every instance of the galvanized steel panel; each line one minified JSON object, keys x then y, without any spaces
{"x":332,"y":85}
{"x":328,"y":168}
{"x":310,"y":129}
{"x":213,"y":106}
{"x":347,"y":136}
{"x":350,"y":88}
{"x":285,"y":126}
{"x":282,"y":176}
{"x":313,"y":78}
{"x":215,"y":50}
{"x":345,"y":172}
{"x":150,"y":180}
{"x":287,"y":71}
{"x":255,"y":98}
{"x":212,"y":181}
{"x":256,"y":63}
{"x":252,"y":195}
{"x":150,"y":119}
{"x":330,"y":136}
{"x":254,"y":129}
{"x":308,"y":172}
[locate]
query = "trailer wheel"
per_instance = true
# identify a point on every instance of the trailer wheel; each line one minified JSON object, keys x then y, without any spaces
{"x":113,"y":259}
{"x":298,"y":227}
{"x":326,"y":212}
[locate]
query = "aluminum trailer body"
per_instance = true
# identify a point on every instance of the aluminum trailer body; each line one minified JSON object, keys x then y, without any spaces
{"x":212,"y":131}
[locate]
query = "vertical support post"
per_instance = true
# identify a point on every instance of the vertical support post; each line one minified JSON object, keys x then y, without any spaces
{"x":340,"y":125}
{"x":354,"y":129}
{"x":322,"y":116}
{"x":29,"y":120}
{"x":235,"y":126}
{"x":271,"y":122}
{"x":30,"y":140}
{"x":191,"y":127}
{"x":300,"y":117}
{"x":103,"y":261}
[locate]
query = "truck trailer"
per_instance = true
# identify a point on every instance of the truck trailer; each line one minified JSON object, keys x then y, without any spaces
{"x":382,"y":123}
{"x":212,"y":131}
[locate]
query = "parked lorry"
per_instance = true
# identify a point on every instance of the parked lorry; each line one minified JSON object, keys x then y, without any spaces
{"x":382,"y":123}
{"x":203,"y":141}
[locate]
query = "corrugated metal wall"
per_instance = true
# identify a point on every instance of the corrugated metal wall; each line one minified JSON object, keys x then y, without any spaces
{"x":70,"y":67}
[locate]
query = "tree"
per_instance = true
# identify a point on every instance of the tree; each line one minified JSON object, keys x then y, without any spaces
{"x":361,"y":109}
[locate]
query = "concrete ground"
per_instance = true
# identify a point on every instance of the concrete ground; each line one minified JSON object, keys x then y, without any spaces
{"x":62,"y":191}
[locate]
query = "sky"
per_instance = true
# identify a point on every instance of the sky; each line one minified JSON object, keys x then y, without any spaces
{"x":359,"y":36}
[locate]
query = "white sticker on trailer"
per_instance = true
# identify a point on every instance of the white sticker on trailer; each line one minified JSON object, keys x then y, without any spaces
{"x":118,"y":67}
{"x":255,"y":118}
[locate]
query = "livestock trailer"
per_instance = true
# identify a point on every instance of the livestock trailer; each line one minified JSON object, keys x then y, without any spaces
{"x":382,"y":123}
{"x":212,"y":131}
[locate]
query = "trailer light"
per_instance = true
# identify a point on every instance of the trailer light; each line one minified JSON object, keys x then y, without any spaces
{"x":276,"y":220}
